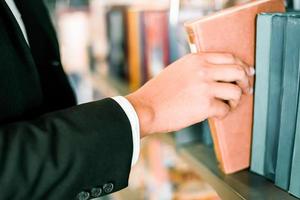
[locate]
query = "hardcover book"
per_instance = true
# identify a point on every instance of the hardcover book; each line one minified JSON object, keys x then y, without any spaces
{"x":267,"y":102}
{"x":289,"y":102}
{"x":233,"y":31}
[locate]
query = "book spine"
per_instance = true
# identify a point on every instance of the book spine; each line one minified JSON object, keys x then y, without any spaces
{"x":264,"y":24}
{"x":134,"y":50}
{"x":156,"y":42}
{"x":289,"y":103}
{"x":275,"y":92}
{"x":116,"y":33}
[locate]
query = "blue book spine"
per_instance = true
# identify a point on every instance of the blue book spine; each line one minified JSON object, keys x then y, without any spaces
{"x":289,"y":103}
{"x":264,"y":26}
{"x":274,"y":99}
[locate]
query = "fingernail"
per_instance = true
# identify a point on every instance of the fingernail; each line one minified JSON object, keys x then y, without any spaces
{"x":250,"y":90}
{"x":251,"y":71}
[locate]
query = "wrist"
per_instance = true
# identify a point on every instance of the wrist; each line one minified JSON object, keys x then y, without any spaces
{"x":145,"y":112}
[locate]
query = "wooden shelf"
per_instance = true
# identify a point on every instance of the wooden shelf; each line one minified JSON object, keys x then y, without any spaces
{"x":241,"y":185}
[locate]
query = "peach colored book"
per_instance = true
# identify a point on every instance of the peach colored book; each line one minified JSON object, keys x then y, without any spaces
{"x":232,"y":30}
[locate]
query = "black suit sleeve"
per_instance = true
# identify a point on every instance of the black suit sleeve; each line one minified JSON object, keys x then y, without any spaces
{"x":87,"y":149}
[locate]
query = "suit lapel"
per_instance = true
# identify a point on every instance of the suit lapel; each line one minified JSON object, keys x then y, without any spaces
{"x":37,"y":21}
{"x":16,"y":33}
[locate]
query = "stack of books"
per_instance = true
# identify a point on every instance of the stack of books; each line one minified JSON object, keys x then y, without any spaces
{"x":276,"y":132}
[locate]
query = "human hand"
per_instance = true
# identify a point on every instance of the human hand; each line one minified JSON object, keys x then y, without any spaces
{"x":196,"y":87}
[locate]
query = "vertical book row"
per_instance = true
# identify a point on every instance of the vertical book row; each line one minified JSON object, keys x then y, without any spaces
{"x":276,"y":126}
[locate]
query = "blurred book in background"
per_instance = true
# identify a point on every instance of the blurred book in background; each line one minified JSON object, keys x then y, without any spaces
{"x":135,"y":49}
{"x":116,"y":33}
{"x":156,"y":44}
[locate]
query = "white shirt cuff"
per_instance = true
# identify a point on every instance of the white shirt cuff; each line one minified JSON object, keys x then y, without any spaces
{"x":135,"y":126}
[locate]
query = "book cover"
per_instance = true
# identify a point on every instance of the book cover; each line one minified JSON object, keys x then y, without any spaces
{"x":233,"y":31}
{"x":289,"y":102}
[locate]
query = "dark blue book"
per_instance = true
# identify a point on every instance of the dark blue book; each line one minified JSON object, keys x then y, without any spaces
{"x":289,"y":102}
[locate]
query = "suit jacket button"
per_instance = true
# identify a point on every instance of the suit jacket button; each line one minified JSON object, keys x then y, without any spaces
{"x":83,"y":195}
{"x":108,"y":188}
{"x":96,"y":192}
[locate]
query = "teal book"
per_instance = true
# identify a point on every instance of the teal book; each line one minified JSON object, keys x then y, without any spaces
{"x":275,"y":92}
{"x":295,"y":172}
{"x":289,"y":102}
{"x":263,"y":49}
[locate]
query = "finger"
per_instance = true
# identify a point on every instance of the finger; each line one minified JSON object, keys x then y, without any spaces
{"x":250,"y":70}
{"x":228,"y":92}
{"x":219,"y":109}
{"x":227,"y":58}
{"x":230,"y":73}
{"x":220,"y":58}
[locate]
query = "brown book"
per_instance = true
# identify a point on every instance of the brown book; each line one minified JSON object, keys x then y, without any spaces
{"x":232,"y":31}
{"x":135,"y":49}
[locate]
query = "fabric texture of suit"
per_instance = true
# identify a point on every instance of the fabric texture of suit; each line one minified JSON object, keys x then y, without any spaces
{"x":50,"y":148}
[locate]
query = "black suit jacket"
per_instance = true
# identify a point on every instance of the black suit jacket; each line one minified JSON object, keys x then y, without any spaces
{"x":50,"y":148}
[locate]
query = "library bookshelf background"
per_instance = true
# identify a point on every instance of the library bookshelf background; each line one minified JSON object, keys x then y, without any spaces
{"x":112,"y":47}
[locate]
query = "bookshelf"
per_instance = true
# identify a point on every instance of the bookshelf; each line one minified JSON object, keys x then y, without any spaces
{"x":242,"y":185}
